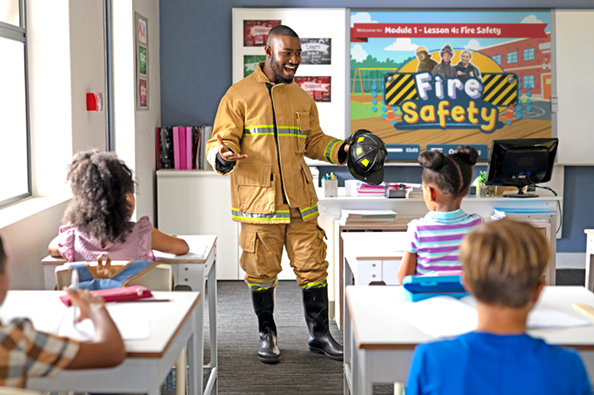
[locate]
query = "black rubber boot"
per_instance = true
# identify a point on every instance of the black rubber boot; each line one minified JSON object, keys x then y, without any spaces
{"x":263,"y":306}
{"x":315,"y":302}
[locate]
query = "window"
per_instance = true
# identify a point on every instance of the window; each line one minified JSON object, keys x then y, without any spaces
{"x":497,"y":59}
{"x":512,"y":57}
{"x":14,"y":132}
{"x":529,"y":54}
{"x":529,"y":81}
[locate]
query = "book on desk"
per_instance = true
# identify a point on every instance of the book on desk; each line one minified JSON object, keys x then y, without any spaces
{"x":368,"y":216}
{"x":524,"y":214}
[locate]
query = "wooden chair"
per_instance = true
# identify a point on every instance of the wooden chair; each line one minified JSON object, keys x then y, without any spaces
{"x":159,"y":278}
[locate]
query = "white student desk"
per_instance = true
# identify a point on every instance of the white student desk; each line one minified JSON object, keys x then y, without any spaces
{"x":371,"y":258}
{"x":380,"y":346}
{"x":196,"y":269}
{"x":589,"y":259}
{"x":148,"y":361}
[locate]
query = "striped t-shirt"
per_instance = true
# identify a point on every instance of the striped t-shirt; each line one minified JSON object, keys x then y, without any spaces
{"x":436,"y":239}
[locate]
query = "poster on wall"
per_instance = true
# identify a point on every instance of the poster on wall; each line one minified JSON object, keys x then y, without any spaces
{"x":255,"y":32}
{"x":142,"y":69}
{"x":316,"y":50}
{"x":319,"y":88}
{"x":250,"y":62}
{"x":438,"y":79}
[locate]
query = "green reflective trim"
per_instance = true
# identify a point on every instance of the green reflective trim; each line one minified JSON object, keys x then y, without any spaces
{"x":319,"y":284}
{"x":309,"y":215}
{"x":280,"y":215}
{"x":263,"y":286}
{"x":288,"y":127}
{"x":295,"y":132}
{"x":328,"y":151}
{"x":308,"y":212}
{"x":259,"y":126}
{"x":332,"y":151}
{"x":259,"y":130}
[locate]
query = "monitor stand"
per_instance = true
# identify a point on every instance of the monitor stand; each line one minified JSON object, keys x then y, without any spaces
{"x":519,"y":194}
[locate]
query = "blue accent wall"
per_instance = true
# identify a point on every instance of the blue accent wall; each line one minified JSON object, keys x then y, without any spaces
{"x":195,"y":58}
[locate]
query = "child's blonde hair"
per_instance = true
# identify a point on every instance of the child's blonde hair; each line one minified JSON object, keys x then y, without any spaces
{"x":504,"y":261}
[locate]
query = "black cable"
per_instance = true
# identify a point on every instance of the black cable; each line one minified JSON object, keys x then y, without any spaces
{"x":558,"y":205}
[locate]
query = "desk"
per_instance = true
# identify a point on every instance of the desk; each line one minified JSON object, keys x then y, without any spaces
{"x":329,"y":208}
{"x":369,"y":257}
{"x":380,"y":344}
{"x":197,"y":270}
{"x":148,"y":361}
{"x":589,"y":259}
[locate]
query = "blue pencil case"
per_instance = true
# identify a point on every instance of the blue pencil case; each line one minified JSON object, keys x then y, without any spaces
{"x":417,"y":288}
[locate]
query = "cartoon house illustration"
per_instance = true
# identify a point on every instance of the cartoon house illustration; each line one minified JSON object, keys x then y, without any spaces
{"x":529,"y":59}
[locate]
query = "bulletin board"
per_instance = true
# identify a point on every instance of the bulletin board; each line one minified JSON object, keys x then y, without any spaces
{"x":437,"y":79}
{"x":322,"y":71}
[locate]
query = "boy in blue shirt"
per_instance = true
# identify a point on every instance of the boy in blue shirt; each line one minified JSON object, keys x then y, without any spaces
{"x":503,"y":263}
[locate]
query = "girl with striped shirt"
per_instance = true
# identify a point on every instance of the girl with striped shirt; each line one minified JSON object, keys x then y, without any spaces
{"x":435,"y":239}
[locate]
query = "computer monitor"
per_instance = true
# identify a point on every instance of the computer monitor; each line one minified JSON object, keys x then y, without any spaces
{"x":521,"y":162}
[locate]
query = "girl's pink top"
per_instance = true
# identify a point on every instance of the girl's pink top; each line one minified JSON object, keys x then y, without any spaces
{"x":76,"y":246}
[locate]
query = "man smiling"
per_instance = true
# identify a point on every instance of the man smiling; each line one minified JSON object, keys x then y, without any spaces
{"x":265,"y":126}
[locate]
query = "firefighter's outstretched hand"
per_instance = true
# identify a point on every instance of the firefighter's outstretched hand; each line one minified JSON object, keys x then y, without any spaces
{"x":346,"y":148}
{"x":226,"y":153}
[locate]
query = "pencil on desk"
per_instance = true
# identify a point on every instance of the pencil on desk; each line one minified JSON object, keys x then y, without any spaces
{"x":588,"y":311}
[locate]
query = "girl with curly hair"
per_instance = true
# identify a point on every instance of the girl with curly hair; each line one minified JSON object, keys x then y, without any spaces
{"x":435,"y":239}
{"x":97,"y":221}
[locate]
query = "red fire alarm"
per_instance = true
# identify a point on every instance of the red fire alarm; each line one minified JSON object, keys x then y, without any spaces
{"x":94,"y":101}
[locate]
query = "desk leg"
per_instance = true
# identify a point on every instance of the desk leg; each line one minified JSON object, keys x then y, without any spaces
{"x":214,"y":351}
{"x":589,"y":273}
{"x":347,"y":279}
{"x":195,"y":353}
{"x":200,"y":339}
{"x":49,"y":277}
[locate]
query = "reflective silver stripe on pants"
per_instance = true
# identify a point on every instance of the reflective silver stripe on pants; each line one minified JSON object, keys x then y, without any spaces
{"x":320,"y":284}
{"x":263,"y":286}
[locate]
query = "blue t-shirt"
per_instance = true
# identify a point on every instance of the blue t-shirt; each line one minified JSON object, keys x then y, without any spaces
{"x":485,"y":364}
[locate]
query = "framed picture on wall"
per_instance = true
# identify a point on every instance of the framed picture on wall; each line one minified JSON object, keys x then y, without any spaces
{"x":142,"y":65}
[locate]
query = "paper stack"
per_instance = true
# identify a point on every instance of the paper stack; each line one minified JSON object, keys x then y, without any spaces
{"x":368,"y":216}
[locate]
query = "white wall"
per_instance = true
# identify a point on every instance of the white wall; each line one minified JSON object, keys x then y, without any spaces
{"x":134,"y":130}
{"x":146,"y":121}
{"x":87,"y":73}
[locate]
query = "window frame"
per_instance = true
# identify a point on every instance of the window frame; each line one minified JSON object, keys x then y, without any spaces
{"x":531,"y":51}
{"x":511,"y":54}
{"x":495,"y":60}
{"x":533,"y":78}
{"x":19,"y":33}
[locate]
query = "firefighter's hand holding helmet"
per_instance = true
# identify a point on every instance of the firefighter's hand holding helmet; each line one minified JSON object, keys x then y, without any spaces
{"x":366,"y":156}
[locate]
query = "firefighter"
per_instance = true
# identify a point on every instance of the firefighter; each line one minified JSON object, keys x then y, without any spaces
{"x":265,"y":126}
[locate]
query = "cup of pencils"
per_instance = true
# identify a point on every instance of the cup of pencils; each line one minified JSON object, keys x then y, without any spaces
{"x":330,"y":185}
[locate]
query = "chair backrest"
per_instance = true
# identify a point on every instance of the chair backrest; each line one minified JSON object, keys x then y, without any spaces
{"x":159,"y":278}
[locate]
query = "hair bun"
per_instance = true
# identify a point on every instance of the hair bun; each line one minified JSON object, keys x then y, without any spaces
{"x":433,"y":160}
{"x":466,"y":154}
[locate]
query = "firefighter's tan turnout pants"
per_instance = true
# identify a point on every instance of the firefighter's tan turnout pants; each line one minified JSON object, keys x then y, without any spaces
{"x":262,"y":247}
